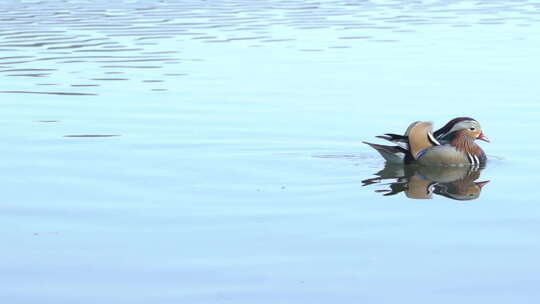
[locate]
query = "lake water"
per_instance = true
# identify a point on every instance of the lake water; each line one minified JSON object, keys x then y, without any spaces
{"x":210,"y":152}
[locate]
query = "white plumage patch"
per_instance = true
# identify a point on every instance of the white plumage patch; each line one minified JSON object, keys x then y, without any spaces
{"x":432,"y":139}
{"x":471,"y":160}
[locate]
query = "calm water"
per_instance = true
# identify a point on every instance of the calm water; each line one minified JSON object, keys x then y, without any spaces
{"x":210,"y":152}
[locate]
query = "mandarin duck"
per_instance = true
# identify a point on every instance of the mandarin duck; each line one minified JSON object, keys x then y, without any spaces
{"x":452,"y":145}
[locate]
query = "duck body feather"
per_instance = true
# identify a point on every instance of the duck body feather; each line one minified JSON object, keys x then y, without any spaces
{"x":444,"y":155}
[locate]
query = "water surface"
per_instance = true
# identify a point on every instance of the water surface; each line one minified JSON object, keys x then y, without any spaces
{"x":205,"y":152}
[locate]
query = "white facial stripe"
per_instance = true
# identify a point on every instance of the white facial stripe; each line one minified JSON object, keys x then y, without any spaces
{"x":462,"y":125}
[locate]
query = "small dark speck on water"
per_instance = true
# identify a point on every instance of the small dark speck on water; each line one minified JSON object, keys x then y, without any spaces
{"x":46,"y":121}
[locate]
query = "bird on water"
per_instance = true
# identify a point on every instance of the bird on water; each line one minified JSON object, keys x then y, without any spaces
{"x":452,"y":145}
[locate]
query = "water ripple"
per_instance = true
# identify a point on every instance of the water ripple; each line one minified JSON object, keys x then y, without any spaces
{"x":90,"y":33}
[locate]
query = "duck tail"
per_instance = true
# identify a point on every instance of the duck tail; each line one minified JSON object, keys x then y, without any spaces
{"x":400,"y":140}
{"x":392,"y":154}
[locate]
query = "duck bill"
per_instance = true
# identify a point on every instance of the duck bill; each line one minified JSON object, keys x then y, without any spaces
{"x":482,"y":184}
{"x":481,"y":136}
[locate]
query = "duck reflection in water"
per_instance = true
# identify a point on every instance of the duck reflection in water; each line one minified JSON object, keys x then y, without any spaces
{"x":421,"y":182}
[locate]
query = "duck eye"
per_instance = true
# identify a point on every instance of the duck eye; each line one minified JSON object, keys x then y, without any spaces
{"x":472,"y":128}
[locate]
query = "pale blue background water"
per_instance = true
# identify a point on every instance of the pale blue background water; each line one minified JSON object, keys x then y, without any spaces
{"x":237,"y":174}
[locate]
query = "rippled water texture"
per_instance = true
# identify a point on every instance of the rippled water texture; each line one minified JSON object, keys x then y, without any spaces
{"x":210,"y":152}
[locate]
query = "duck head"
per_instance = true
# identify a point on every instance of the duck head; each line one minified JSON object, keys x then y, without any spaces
{"x":464,"y":125}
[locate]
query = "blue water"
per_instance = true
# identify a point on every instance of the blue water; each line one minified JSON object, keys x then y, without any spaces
{"x":235,"y":171}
